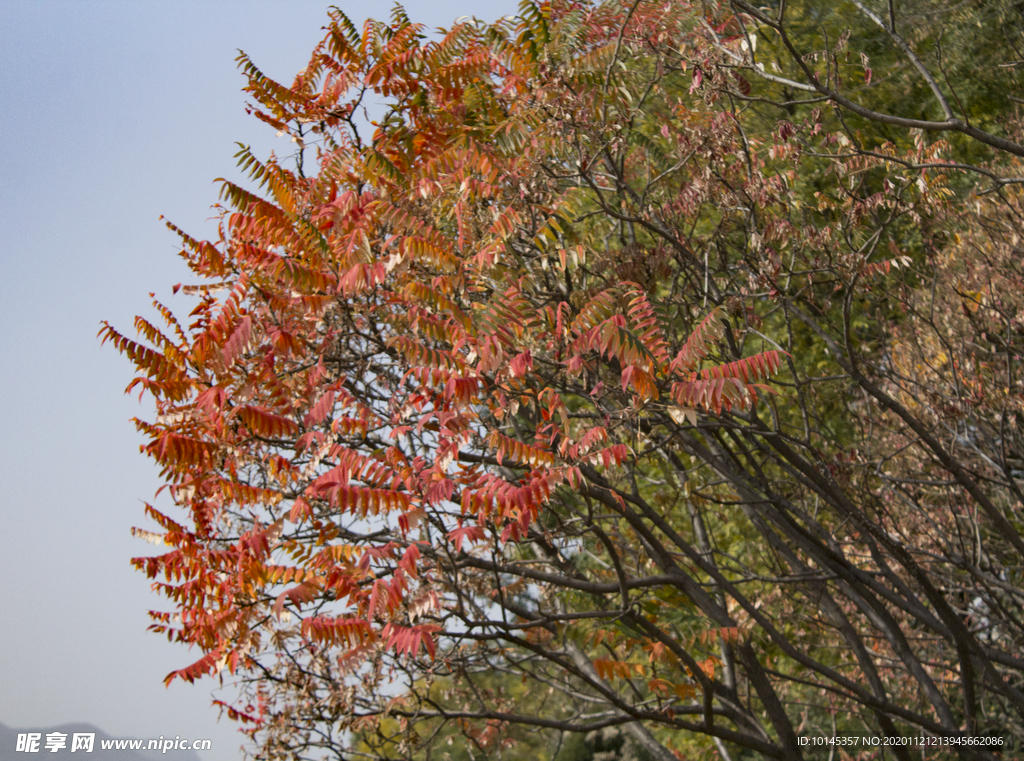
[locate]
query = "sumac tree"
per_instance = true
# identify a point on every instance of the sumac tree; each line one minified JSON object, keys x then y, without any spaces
{"x":597,"y":391}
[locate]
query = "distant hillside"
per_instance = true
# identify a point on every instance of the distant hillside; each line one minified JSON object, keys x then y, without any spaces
{"x":9,"y":744}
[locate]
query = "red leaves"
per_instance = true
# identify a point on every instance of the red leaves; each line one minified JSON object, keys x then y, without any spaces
{"x":238,"y":342}
{"x":521,"y":364}
{"x":641,"y":314}
{"x":305,"y":592}
{"x":723,"y":387}
{"x":425,"y":322}
{"x":462,"y":533}
{"x":205,"y":665}
{"x":407,"y":640}
{"x":320,"y":410}
{"x":300,"y":509}
{"x":698,"y":80}
{"x":699,"y":344}
{"x":334,"y":632}
{"x":749,"y":369}
{"x":163,"y":374}
{"x":718,"y":394}
{"x":357,"y":499}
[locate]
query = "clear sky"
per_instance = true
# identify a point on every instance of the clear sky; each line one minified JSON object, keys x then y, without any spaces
{"x":111,"y":114}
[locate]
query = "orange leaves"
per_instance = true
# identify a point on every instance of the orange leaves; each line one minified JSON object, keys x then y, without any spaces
{"x":179,"y":451}
{"x":731,"y":635}
{"x":244,"y":494}
{"x":519,"y":452}
{"x":164,"y":374}
{"x":360,"y":500}
{"x":277,"y":574}
{"x":640,"y":380}
{"x":261,"y":422}
{"x":608,"y":669}
{"x":708,"y":666}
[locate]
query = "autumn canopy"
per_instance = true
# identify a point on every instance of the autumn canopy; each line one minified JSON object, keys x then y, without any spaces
{"x":645,"y":378}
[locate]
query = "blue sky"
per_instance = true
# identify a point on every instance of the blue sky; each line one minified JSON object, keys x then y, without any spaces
{"x":113,"y":113}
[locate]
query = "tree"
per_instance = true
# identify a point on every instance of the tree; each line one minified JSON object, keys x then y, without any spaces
{"x":598,"y":395}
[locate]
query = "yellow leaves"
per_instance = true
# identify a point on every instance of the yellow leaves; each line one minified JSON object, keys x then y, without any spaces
{"x":682,"y":415}
{"x":421,"y":249}
{"x":973,"y":300}
{"x":437,"y":300}
{"x":278,"y":574}
{"x":551,"y":230}
{"x":150,"y":536}
{"x":577,"y":255}
{"x":337,"y":553}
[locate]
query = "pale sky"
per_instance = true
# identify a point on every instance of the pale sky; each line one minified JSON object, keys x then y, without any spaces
{"x":111,"y":114}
